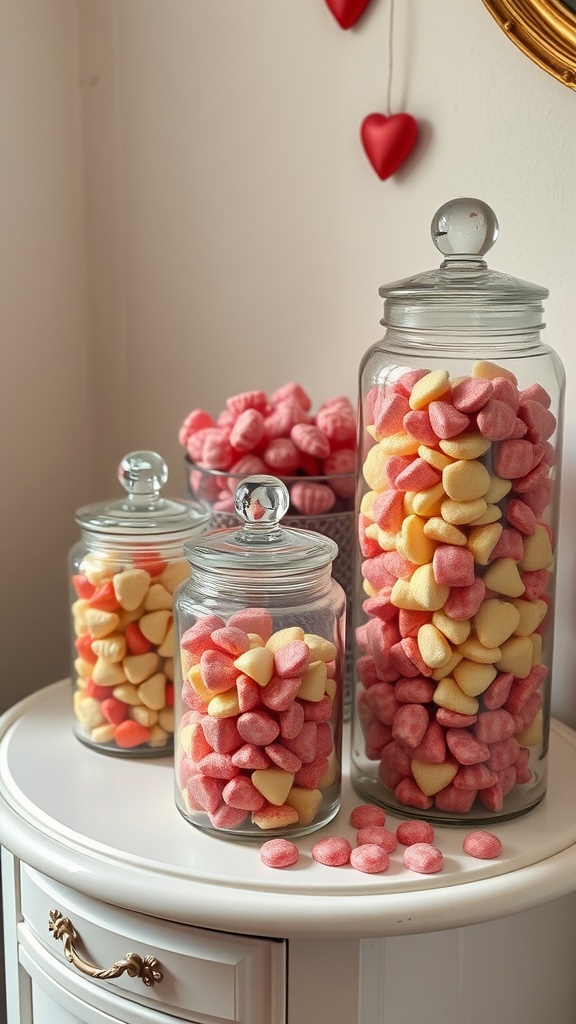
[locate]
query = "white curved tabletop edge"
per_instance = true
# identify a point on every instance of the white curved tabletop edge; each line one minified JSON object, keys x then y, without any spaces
{"x":109,"y":828}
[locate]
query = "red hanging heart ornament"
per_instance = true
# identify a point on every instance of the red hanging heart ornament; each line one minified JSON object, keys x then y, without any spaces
{"x":388,"y":141}
{"x":347,"y":12}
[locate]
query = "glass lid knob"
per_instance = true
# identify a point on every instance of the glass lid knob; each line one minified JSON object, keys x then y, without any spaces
{"x":261,"y":499}
{"x":464,"y":228}
{"x":143,"y":473}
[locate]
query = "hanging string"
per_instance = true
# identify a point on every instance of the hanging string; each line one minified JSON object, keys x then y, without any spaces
{"x":390,"y":58}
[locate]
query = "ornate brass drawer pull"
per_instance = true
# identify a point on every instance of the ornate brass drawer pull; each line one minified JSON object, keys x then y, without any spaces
{"x":133,"y":964}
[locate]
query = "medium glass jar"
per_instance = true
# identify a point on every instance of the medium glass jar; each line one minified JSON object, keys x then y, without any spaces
{"x":123,"y":573}
{"x":258,"y":680}
{"x":460,"y":438}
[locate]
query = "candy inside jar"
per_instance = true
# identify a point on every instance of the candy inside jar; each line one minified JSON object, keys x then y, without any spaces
{"x":258,"y":700}
{"x":461,"y":429}
{"x":123,"y":573}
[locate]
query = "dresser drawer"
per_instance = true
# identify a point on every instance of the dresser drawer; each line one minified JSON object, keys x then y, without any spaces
{"x":208,"y":977}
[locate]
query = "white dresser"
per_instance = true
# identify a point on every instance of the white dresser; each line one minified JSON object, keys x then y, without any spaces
{"x":93,"y":846}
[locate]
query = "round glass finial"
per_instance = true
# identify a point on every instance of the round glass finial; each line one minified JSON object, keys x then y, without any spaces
{"x":143,"y":473}
{"x":465,"y":228}
{"x":261,"y":499}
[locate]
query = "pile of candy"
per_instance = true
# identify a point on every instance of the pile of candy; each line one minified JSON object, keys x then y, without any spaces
{"x":456,"y":564}
{"x":278,"y":435}
{"x":124,"y":628}
{"x":256,"y":745}
{"x":375,"y":843}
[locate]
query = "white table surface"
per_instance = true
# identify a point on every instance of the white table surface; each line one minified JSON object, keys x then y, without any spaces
{"x":109,"y":827}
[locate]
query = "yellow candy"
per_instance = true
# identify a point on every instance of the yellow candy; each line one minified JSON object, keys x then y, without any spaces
{"x":258,"y":662}
{"x":413,"y":543}
{"x":430,"y":387}
{"x":503,"y":577}
{"x":489,"y":370}
{"x":433,"y":457}
{"x":482,"y":540}
{"x":449,"y":695}
{"x":100,"y":623}
{"x":306,"y":802}
{"x":112,"y":647}
{"x":428,"y":594}
{"x":225,"y":704}
{"x":495,"y":621}
{"x":320,"y":648}
{"x":455,"y":630}
{"x":401,"y":596}
{"x":399,"y":444}
{"x":139,"y":666}
{"x":431,"y":778}
{"x":465,"y":480}
{"x":448,"y":668}
{"x":537,"y":550}
{"x":492,"y":514}
{"x":374,"y":469}
{"x":473,"y":678}
{"x":130,"y":587}
{"x":530,"y":615}
{"x":460,"y":513}
{"x":438,"y":529}
{"x":274,"y":783}
{"x":465,"y":446}
{"x":429,"y":501}
{"x":154,"y":625}
{"x":498,"y":489}
{"x":516,"y":656}
{"x":152,"y":692}
{"x":475,"y":651}
{"x":108,"y":673}
{"x":433,"y":646}
{"x":313,"y":682}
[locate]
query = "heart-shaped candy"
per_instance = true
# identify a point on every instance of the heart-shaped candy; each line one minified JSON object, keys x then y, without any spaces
{"x":347,"y":12}
{"x":388,"y":141}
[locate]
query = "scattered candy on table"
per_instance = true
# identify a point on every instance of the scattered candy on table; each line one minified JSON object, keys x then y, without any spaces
{"x":374,"y":844}
{"x":278,"y":434}
{"x":456,"y":562}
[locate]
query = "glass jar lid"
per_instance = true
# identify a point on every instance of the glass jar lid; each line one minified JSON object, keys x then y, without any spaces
{"x":143,"y":511}
{"x":261,"y":545}
{"x":463,"y":294}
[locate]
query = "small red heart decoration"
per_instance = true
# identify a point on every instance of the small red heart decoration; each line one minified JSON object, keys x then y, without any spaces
{"x":347,"y":12}
{"x":388,"y":141}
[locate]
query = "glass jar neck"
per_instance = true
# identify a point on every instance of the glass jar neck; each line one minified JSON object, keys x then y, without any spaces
{"x":474,"y":340}
{"x":263,"y":587}
{"x":171,"y":545}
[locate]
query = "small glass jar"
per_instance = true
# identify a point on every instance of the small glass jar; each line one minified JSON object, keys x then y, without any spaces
{"x":123,"y":573}
{"x":258,"y":681}
{"x":460,"y":438}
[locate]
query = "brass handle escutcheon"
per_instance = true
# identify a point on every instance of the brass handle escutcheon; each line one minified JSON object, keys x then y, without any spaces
{"x":133,"y":964}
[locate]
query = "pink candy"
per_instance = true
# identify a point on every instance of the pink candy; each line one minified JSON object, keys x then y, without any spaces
{"x":277,"y":434}
{"x":423,"y":858}
{"x":278,"y":853}
{"x":484,"y":845}
{"x":334,"y":851}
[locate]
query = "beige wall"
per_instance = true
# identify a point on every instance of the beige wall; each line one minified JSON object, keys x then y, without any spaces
{"x":45,"y":400}
{"x":236,"y":235}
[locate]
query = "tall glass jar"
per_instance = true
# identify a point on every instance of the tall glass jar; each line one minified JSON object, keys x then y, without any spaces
{"x":258,"y":680}
{"x":460,"y":437}
{"x":123,"y":573}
